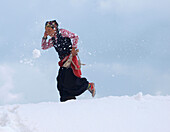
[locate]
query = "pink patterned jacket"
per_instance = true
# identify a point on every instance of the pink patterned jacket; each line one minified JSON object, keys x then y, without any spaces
{"x":65,"y":33}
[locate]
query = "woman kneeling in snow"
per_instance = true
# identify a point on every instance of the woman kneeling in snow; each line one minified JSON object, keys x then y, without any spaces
{"x":69,"y":81}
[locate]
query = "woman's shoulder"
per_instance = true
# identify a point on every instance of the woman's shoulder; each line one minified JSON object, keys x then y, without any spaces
{"x":62,"y":30}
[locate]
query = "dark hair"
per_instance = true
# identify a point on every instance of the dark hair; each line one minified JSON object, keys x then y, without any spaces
{"x":52,"y":24}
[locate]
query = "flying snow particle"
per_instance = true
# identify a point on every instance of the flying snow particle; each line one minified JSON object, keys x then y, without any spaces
{"x":36,"y":53}
{"x":113,"y":75}
{"x":89,"y":53}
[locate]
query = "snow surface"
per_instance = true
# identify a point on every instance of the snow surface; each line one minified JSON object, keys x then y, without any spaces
{"x":139,"y":113}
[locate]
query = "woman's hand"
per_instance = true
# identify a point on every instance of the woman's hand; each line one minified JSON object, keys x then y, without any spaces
{"x":45,"y":34}
{"x":74,"y":51}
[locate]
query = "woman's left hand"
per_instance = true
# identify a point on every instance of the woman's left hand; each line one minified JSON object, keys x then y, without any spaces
{"x":74,"y":52}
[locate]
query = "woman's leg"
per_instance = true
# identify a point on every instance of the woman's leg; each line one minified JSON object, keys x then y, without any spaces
{"x":70,"y":85}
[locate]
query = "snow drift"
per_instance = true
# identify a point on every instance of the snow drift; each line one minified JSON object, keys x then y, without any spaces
{"x":110,"y":114}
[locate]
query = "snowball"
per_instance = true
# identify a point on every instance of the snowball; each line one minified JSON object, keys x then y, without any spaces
{"x":36,"y":53}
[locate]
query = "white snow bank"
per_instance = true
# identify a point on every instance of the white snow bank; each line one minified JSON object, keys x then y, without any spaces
{"x":111,"y":114}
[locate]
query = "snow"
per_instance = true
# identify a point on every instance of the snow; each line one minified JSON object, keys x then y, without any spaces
{"x":30,"y":61}
{"x":27,"y":61}
{"x":36,"y":53}
{"x":138,"y":113}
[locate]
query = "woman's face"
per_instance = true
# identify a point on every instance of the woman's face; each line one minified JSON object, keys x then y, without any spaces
{"x":50,"y":31}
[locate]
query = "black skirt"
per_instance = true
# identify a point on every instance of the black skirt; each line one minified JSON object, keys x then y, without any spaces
{"x":70,"y":85}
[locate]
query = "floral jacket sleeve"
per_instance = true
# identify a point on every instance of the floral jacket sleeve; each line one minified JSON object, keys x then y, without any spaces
{"x":65,"y":33}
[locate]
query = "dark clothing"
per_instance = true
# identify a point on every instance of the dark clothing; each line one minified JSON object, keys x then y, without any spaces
{"x":63,"y":46}
{"x":70,"y":85}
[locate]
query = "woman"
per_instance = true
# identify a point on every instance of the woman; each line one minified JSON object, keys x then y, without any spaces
{"x":69,"y":81}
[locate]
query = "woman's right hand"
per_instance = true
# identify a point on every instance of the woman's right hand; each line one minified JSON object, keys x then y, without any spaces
{"x":45,"y":34}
